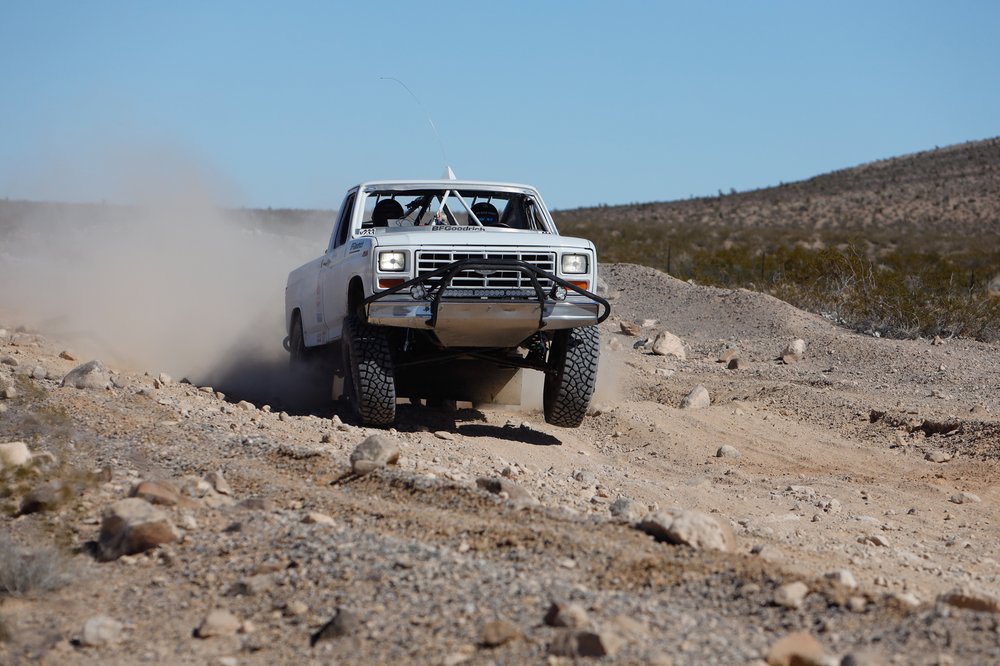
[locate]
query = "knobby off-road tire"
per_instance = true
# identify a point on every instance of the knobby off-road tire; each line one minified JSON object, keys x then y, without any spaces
{"x":570,"y":382}
{"x":368,"y":372}
{"x":298,"y":354}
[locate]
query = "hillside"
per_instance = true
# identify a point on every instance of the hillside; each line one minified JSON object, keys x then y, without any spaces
{"x":952,"y":191}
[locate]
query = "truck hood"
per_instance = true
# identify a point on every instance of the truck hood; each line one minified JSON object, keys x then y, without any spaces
{"x":458,"y":239}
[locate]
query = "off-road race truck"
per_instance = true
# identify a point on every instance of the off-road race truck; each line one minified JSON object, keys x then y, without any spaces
{"x":447,"y":290}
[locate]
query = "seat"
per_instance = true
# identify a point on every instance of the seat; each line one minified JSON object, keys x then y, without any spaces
{"x":487,"y":214}
{"x":385,"y":210}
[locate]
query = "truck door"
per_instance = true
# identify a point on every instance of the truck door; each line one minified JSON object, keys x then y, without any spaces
{"x":332,"y":280}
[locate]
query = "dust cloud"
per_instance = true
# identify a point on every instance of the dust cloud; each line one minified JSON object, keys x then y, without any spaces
{"x":171,"y":282}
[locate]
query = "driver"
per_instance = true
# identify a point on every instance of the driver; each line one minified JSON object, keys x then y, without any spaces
{"x":487,"y":213}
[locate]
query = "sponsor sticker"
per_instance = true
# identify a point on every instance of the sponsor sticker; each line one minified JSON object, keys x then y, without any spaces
{"x":355,"y":247}
{"x":451,"y":228}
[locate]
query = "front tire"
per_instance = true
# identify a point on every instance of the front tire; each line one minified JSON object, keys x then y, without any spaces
{"x":572,"y":375}
{"x":369,"y":378}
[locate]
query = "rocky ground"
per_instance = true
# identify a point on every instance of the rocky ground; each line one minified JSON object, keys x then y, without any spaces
{"x":837,"y":506}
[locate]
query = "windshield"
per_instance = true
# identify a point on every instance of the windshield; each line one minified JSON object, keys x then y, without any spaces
{"x":387,"y":210}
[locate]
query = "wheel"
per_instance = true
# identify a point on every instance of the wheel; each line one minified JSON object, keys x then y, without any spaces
{"x":369,"y":380}
{"x":299,"y":354}
{"x":572,"y":375}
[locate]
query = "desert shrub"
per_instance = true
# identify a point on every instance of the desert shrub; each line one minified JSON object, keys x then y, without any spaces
{"x":872,"y":282}
{"x":25,"y":570}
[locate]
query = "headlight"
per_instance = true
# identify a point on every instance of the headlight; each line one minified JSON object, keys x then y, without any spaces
{"x":574,"y":264}
{"x":393,"y":260}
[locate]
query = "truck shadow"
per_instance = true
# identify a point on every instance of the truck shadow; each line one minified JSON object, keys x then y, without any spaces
{"x":271,"y":382}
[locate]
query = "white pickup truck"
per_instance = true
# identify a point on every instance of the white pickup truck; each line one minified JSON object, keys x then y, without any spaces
{"x":447,"y":290}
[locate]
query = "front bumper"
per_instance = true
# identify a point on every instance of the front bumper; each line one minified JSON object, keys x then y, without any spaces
{"x":483,"y":321}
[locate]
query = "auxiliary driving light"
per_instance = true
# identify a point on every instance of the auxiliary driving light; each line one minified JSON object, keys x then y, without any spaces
{"x":559,"y":293}
{"x":418,"y":292}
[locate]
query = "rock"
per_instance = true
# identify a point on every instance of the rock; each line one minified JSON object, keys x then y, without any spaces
{"x":630,"y":328}
{"x":219,"y":483}
{"x":698,"y":398}
{"x":571,"y":616}
{"x":14,"y":454}
{"x":728,"y":355}
{"x":218,"y":622}
{"x":572,"y":643}
{"x":797,"y":649}
{"x":625,"y":509}
{"x":736,"y":364}
{"x":343,"y":623}
{"x":726,"y":451}
{"x":874,"y":540}
{"x":938,"y":456}
{"x":842,"y":577}
{"x":156,"y":492}
{"x":67,"y":355}
{"x":8,"y":393}
{"x":133,"y":526}
{"x":517,"y":495}
{"x":689,"y":528}
{"x":9,"y":360}
{"x":246,"y":406}
{"x":45,"y":497}
{"x":445,"y":435}
{"x":250,"y":586}
{"x":791,"y":595}
{"x":376,"y":451}
{"x":316,"y":518}
{"x":101,"y":630}
{"x":165,"y":379}
{"x":794,"y":351}
{"x":906,"y":599}
{"x":497,"y":632}
{"x":969,"y":599}
{"x":584,"y":476}
{"x":90,"y":375}
{"x":296,"y":608}
{"x":964,"y":498}
{"x":668,"y":344}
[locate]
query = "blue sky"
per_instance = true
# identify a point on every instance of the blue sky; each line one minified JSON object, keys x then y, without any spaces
{"x":283,"y":104}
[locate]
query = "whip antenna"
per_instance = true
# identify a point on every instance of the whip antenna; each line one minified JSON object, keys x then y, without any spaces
{"x":430,"y":122}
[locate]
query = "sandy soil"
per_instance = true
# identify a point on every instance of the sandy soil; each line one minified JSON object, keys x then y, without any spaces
{"x":835,"y":471}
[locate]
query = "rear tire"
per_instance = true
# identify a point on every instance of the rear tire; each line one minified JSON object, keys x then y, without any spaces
{"x":299,"y":354}
{"x":572,"y":375}
{"x":369,"y":380}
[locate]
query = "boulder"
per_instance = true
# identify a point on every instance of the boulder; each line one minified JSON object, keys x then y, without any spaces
{"x":667,"y":344}
{"x":218,"y":622}
{"x":90,"y":375}
{"x":797,"y":649}
{"x":343,"y":623}
{"x":630,"y":328}
{"x":791,"y":595}
{"x":156,"y":492}
{"x":970,"y":599}
{"x":517,"y":495}
{"x":569,"y":615}
{"x":695,"y":529}
{"x":794,"y":351}
{"x":131,"y":526}
{"x":14,"y":454}
{"x":374,"y":452}
{"x":101,"y":630}
{"x":497,"y":632}
{"x":698,"y":398}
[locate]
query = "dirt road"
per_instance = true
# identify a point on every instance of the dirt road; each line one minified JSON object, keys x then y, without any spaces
{"x":875,"y":460}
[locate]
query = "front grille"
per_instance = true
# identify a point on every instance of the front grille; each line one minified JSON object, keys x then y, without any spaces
{"x":428,"y":261}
